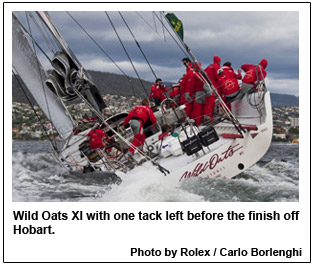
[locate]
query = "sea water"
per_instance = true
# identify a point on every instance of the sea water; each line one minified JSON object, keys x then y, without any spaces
{"x":37,"y":176}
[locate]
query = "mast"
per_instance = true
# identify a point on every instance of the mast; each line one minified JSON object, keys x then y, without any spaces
{"x":179,"y":33}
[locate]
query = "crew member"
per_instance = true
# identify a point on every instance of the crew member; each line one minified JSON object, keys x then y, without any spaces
{"x":212,"y":71}
{"x":175,"y":93}
{"x":157,"y":92}
{"x":96,"y":137}
{"x":137,"y":118}
{"x":210,"y":100}
{"x":229,"y":87}
{"x":186,"y":97}
{"x":195,"y":87}
{"x":254,"y":74}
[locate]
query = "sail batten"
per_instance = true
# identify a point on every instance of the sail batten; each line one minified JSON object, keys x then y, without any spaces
{"x":32,"y":73}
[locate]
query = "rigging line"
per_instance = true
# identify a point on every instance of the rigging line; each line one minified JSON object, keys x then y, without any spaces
{"x":155,"y":23}
{"x":171,"y":35}
{"x":43,"y":34}
{"x":138,"y":45}
{"x":162,"y":14}
{"x":32,"y":106}
{"x":127,"y":53}
{"x":42,"y":83}
{"x":147,"y":23}
{"x":107,"y":55}
{"x":223,"y":105}
{"x":204,"y":78}
{"x":47,"y":32}
{"x":153,"y":28}
{"x":34,"y":41}
{"x":161,"y":168}
{"x":163,"y":27}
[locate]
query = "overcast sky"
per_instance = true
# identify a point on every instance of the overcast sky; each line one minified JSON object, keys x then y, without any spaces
{"x":238,"y":36}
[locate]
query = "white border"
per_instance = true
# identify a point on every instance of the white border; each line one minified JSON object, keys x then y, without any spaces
{"x":111,"y":241}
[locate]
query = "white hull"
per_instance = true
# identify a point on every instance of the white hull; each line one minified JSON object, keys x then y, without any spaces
{"x":225,"y":158}
{"x":228,"y":157}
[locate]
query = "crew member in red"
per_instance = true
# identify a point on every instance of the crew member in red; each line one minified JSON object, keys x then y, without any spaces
{"x":157,"y":92}
{"x":254,"y":73}
{"x":195,"y":87}
{"x":212,"y":73}
{"x":186,"y":98}
{"x":175,"y":93}
{"x":96,"y":138}
{"x":137,"y":118}
{"x":229,"y":87}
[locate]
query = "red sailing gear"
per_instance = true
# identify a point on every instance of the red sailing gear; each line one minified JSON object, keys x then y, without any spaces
{"x":96,"y":136}
{"x":228,"y":82}
{"x":186,"y":98}
{"x":142,"y":114}
{"x":157,"y":92}
{"x":195,"y":87}
{"x":251,"y":72}
{"x":212,"y":72}
{"x":175,"y":93}
{"x":210,"y":103}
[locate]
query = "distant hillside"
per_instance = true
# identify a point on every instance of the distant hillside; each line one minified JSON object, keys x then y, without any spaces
{"x":284,"y":100}
{"x":107,"y":83}
{"x":114,"y":84}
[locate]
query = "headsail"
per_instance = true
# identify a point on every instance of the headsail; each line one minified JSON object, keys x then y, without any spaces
{"x":32,"y":73}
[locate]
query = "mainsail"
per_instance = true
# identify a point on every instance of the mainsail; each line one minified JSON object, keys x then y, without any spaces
{"x":32,"y":73}
{"x":69,"y":68}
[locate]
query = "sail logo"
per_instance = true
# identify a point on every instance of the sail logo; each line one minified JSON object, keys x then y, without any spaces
{"x":214,"y":160}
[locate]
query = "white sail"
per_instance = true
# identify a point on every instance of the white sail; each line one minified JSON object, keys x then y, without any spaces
{"x":32,"y":73}
{"x":90,"y":93}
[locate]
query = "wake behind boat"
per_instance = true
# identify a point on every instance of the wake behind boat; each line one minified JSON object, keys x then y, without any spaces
{"x":222,"y":148}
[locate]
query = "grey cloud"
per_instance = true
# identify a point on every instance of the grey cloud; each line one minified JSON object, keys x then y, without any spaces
{"x":238,"y":36}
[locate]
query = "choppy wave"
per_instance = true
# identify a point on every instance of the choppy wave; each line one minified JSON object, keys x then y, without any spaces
{"x":38,"y":177}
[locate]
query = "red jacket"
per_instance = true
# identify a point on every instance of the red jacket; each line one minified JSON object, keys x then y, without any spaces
{"x":253,"y":70}
{"x":229,"y":80}
{"x":175,"y":93}
{"x":183,"y":83}
{"x":143,"y":113}
{"x":96,"y":136}
{"x":212,"y":73}
{"x":157,"y":91}
{"x":194,"y":83}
